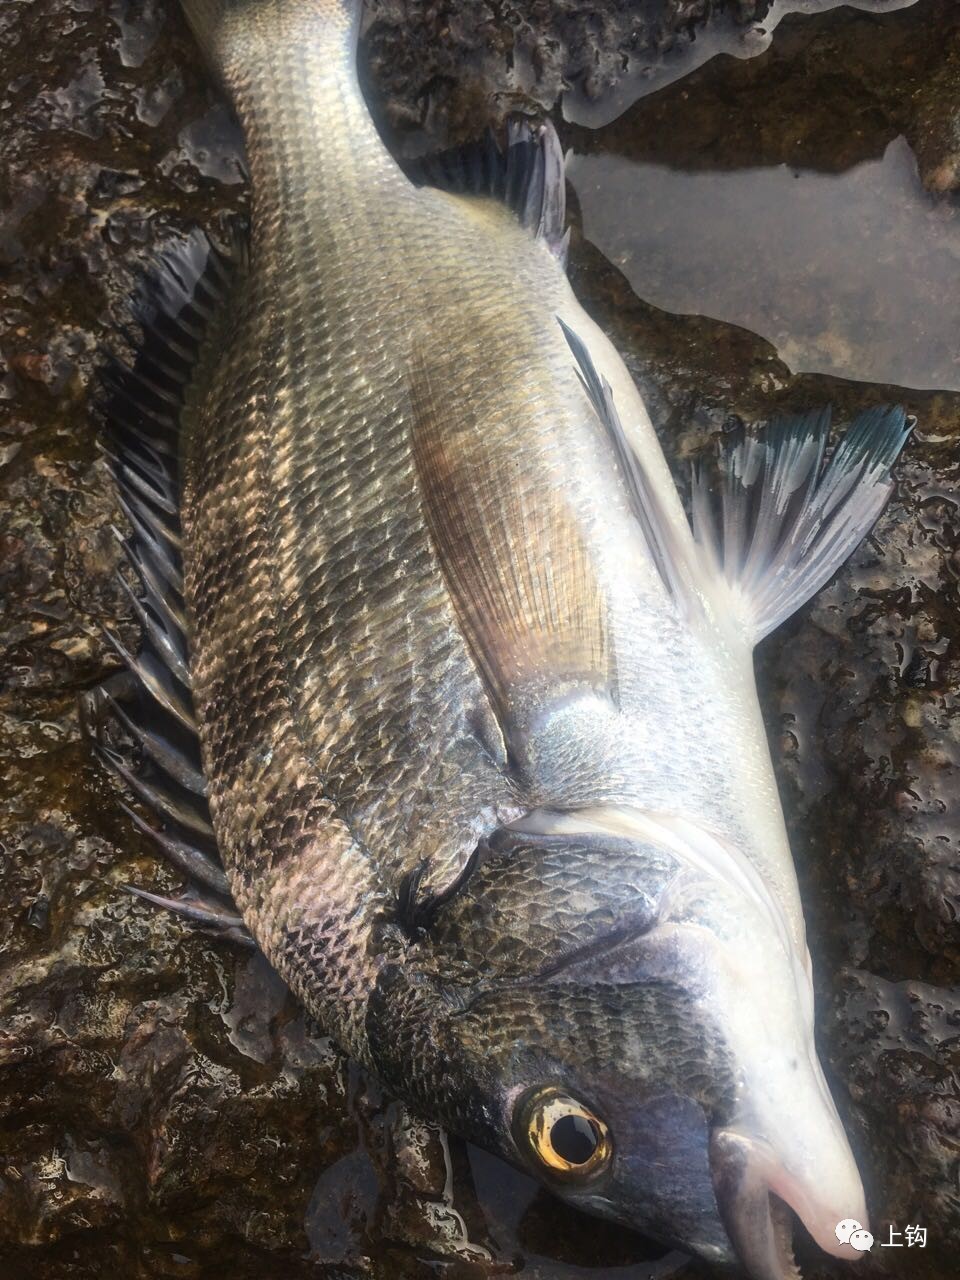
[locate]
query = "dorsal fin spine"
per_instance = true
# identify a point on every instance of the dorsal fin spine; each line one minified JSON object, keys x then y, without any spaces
{"x":142,"y":404}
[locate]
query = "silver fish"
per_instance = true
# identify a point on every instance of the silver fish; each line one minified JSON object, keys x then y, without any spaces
{"x":480,"y":756}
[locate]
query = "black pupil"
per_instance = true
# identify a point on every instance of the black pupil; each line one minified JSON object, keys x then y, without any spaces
{"x":574,"y":1139}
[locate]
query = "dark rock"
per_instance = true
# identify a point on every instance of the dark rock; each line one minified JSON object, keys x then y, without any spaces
{"x":438,"y":66}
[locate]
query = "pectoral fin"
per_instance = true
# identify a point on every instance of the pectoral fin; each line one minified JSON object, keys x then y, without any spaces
{"x":514,"y":560}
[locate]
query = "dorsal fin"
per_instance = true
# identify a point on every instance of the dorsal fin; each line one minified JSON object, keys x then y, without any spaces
{"x":175,"y":308}
{"x":528,"y":176}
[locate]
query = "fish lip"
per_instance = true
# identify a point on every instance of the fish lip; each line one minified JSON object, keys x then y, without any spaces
{"x":757,"y":1199}
{"x":750,"y":1218}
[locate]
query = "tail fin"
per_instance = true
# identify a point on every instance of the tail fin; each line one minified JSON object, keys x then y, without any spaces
{"x":787,"y":523}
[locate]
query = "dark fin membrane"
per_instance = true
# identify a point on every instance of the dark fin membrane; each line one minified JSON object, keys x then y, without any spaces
{"x":528,"y":176}
{"x":785,"y":522}
{"x":418,"y":901}
{"x":142,"y":722}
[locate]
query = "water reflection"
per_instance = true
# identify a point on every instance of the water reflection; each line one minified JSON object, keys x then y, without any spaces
{"x":855,"y":275}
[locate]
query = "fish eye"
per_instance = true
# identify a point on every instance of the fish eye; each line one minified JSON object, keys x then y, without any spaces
{"x":564,"y":1135}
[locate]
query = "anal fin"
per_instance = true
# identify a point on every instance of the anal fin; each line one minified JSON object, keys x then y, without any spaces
{"x":783,"y":522}
{"x":527,"y":176}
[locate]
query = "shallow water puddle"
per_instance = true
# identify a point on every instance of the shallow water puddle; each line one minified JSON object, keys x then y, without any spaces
{"x":802,"y":195}
{"x":854,"y":274}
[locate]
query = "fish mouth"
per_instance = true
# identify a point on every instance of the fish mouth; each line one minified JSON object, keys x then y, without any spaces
{"x":757,"y":1199}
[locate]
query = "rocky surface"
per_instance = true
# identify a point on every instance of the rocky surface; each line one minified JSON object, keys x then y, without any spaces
{"x":165,"y":1109}
{"x":494,"y":57}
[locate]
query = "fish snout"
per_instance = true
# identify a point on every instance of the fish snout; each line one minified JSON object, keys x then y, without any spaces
{"x":756,"y":1188}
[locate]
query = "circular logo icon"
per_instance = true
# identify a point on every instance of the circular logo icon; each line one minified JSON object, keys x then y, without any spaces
{"x":845,"y":1229}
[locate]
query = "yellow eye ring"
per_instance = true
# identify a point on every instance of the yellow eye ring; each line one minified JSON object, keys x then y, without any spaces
{"x":567,"y":1140}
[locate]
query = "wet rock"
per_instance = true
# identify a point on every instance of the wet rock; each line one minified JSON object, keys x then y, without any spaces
{"x":936,"y":128}
{"x":898,"y":1043}
{"x":437,"y":67}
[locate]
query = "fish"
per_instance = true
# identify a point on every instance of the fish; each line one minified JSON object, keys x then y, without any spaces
{"x":443,"y":701}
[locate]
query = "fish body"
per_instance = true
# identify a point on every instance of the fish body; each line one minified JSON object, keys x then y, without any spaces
{"x":476,"y":708}
{"x":367,"y":295}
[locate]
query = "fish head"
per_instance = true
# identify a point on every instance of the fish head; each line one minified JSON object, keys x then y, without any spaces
{"x":635,"y":1032}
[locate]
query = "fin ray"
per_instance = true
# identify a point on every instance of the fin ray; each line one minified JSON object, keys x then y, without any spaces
{"x":151,"y":704}
{"x":205,"y":914}
{"x":787,"y":520}
{"x":527,"y":176}
{"x":514,"y":559}
{"x":659,"y":534}
{"x":187,"y":858}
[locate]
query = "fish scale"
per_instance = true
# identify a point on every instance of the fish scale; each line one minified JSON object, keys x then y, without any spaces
{"x":296,"y":641}
{"x":481,"y":746}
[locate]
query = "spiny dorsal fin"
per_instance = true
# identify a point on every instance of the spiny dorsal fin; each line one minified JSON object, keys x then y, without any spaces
{"x":786,"y":522}
{"x":174,"y":307}
{"x":528,"y":176}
